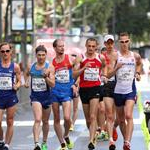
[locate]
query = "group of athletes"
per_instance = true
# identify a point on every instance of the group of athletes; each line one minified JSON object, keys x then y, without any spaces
{"x":104,"y":81}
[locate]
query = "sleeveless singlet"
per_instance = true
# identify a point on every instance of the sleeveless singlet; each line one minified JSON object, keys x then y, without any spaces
{"x":7,"y":79}
{"x":125,"y":75}
{"x":91,"y":76}
{"x":63,"y":74}
{"x":39,"y":87}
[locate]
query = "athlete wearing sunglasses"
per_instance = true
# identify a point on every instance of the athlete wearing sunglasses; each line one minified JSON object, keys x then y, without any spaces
{"x":5,"y":51}
{"x":10,"y":82}
{"x":122,"y":42}
{"x":128,"y":68}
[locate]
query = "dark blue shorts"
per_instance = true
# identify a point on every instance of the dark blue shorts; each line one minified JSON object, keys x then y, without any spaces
{"x":8,"y":102}
{"x":44,"y":102}
{"x":120,"y":99}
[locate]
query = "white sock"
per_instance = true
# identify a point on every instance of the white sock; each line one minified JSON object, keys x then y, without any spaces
{"x":6,"y":145}
{"x":111,"y":139}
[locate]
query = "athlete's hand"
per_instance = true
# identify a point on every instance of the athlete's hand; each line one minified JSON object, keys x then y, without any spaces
{"x":15,"y":87}
{"x":26,"y":84}
{"x":75,"y":90}
{"x":45,"y":73}
{"x":138,"y":76}
{"x":104,"y":79}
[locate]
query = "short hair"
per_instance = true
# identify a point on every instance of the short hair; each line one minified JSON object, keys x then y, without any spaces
{"x":6,"y":43}
{"x":103,"y":49}
{"x":40,"y":48}
{"x":123,"y":34}
{"x":55,"y":43}
{"x":92,"y":39}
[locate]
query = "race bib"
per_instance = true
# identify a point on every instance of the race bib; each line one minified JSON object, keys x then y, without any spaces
{"x":91,"y":74}
{"x":5,"y":83}
{"x":39,"y":84}
{"x":62,"y":76}
{"x":125,"y":75}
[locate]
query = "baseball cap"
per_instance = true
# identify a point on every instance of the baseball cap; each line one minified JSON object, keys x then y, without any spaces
{"x":108,"y":37}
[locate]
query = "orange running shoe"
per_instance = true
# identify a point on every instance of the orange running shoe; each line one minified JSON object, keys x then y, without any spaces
{"x":115,"y":134}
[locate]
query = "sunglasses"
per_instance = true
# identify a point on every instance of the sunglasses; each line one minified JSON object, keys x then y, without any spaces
{"x":6,"y":51}
{"x":124,"y":41}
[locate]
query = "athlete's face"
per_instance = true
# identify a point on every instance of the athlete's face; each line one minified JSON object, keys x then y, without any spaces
{"x":41,"y":57}
{"x":59,"y":47}
{"x":109,"y":45}
{"x":5,"y":52}
{"x":91,"y":47}
{"x":124,"y":42}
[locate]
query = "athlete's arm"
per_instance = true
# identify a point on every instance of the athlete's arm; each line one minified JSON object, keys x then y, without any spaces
{"x":50,"y":77}
{"x":117,"y":66}
{"x":76,"y":67}
{"x":17,"y":83}
{"x":138,"y":66}
{"x":104,"y":66}
{"x":26,"y":76}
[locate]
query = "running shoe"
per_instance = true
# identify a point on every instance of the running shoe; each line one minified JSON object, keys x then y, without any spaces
{"x":5,"y":148}
{"x":101,"y":136}
{"x":106,"y":136}
{"x":37,"y":147}
{"x":71,"y":127}
{"x":2,"y":145}
{"x":126,"y":146}
{"x":91,"y":146}
{"x":70,"y":145}
{"x":112,"y":145}
{"x":44,"y":146}
{"x":115,"y":134}
{"x":63,"y":147}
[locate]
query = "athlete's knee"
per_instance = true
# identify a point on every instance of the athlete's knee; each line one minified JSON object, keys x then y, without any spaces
{"x":128,"y":116}
{"x":93,"y":118}
{"x":110,"y":117}
{"x":75,"y":109}
{"x":101,"y":110}
{"x":67,"y":118}
{"x":56,"y":120}
{"x":45,"y":122}
{"x":121,"y":121}
{"x":10,"y":122}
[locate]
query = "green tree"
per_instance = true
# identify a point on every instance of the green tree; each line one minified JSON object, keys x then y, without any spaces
{"x":132,"y":19}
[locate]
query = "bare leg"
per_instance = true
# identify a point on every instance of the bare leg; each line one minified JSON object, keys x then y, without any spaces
{"x":10,"y":113}
{"x":45,"y":119}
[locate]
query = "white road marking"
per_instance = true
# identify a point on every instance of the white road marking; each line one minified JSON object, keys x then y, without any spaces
{"x":78,"y":122}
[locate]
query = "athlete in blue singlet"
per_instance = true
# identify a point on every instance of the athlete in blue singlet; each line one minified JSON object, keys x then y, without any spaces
{"x":42,"y":79}
{"x":10,"y":81}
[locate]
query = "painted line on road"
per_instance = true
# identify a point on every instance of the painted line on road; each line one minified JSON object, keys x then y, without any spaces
{"x":78,"y":122}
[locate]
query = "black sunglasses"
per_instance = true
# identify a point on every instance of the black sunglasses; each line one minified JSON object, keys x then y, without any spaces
{"x":6,"y":51}
{"x":124,"y":41}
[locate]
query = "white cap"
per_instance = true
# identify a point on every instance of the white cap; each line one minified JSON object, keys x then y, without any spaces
{"x":108,"y":37}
